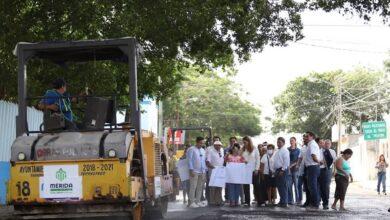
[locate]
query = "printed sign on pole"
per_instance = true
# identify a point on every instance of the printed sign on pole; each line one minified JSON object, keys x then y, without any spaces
{"x":60,"y":182}
{"x":179,"y":137}
{"x":374,"y":130}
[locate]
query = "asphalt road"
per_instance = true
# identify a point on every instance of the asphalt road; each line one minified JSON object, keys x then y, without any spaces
{"x":361,"y":204}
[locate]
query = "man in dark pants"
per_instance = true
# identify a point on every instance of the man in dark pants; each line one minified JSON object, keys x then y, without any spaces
{"x":281,"y":165}
{"x":324,"y":180}
{"x":306,"y":189}
{"x":312,"y":163}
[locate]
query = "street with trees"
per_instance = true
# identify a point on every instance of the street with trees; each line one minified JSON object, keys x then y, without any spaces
{"x":212,"y":100}
{"x":312,"y":102}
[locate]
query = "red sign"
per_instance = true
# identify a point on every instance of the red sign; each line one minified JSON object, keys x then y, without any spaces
{"x":179,"y":136}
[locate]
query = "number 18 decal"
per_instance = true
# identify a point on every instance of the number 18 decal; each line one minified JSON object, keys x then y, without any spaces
{"x":23,"y":189}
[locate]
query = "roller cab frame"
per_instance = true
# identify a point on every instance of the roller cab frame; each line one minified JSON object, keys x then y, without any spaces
{"x":86,"y":179}
{"x":180,"y":152}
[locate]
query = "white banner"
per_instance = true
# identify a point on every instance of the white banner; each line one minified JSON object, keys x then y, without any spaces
{"x":157,"y":186}
{"x":239,"y":173}
{"x":218,"y":177}
{"x":61,"y":182}
{"x":183,"y":170}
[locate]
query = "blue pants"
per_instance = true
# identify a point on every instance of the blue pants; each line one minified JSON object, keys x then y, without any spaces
{"x":313,"y":172}
{"x":300,"y":188}
{"x":292,"y":187}
{"x":234,"y":192}
{"x":324,"y":183}
{"x":381,"y":179}
{"x":281,"y":184}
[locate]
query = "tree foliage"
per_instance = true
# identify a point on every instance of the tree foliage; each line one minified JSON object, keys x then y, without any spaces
{"x":364,"y":8}
{"x":173,"y":33}
{"x":310,"y":102}
{"x":210,"y":100}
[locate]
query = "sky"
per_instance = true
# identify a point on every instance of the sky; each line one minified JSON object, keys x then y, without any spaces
{"x":331,"y":42}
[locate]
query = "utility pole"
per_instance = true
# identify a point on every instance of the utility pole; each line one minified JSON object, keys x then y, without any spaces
{"x":339,"y":115}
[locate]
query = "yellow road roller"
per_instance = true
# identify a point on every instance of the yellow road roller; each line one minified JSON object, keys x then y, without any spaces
{"x":97,"y":169}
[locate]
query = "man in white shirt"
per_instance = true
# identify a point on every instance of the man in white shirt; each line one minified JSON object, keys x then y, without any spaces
{"x":328,"y":158}
{"x":281,"y":163}
{"x":312,"y":163}
{"x":208,"y":172}
{"x":196,"y":156}
{"x":302,"y":181}
{"x":215,"y":158}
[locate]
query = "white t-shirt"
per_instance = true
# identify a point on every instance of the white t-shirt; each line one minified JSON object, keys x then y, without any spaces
{"x":302,"y":155}
{"x":264,"y":160}
{"x":312,"y":148}
{"x":214,"y":158}
{"x":281,"y":159}
{"x":253,"y":157}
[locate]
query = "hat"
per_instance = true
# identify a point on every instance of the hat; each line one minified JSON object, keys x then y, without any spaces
{"x":218,"y":143}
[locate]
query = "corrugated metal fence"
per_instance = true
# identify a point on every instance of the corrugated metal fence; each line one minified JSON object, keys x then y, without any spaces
{"x":8,"y":112}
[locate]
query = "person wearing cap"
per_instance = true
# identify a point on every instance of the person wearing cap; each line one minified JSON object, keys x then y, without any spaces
{"x":215,"y":158}
{"x":58,"y":100}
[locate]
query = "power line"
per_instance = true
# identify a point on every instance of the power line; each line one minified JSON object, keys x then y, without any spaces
{"x":340,"y":42}
{"x":342,"y":49}
{"x":345,"y":25}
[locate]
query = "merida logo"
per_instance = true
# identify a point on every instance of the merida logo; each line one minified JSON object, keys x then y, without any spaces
{"x":61,"y":175}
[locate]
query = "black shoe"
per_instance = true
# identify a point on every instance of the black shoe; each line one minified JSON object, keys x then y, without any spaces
{"x":282,"y":205}
{"x":326,"y":207}
{"x":305,"y":205}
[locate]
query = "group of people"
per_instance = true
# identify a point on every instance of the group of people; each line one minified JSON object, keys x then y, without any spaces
{"x":281,"y":170}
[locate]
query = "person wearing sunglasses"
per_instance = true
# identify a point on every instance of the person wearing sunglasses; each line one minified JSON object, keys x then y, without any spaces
{"x":215,"y":158}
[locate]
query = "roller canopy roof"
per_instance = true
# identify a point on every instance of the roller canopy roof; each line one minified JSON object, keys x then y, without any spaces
{"x":78,"y":51}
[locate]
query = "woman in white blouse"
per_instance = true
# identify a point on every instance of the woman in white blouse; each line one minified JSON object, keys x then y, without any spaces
{"x":251,"y":155}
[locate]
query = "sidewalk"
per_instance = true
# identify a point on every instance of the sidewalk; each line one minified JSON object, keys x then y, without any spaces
{"x":371,"y":186}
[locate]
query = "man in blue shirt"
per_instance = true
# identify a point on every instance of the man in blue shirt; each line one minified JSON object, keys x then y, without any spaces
{"x":57,"y":100}
{"x":292,"y":178}
{"x":196,"y":156}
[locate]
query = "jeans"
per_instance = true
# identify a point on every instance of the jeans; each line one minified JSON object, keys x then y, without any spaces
{"x":281,"y":184}
{"x":292,"y":186}
{"x":300,"y":188}
{"x":226,"y":191}
{"x":381,"y":179}
{"x":234,"y":192}
{"x":313,"y":172}
{"x":324,"y":183}
{"x":306,"y":188}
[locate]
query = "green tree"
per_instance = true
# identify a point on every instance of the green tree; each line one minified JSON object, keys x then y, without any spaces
{"x":310,"y":102}
{"x":210,"y":100}
{"x":173,"y":34}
